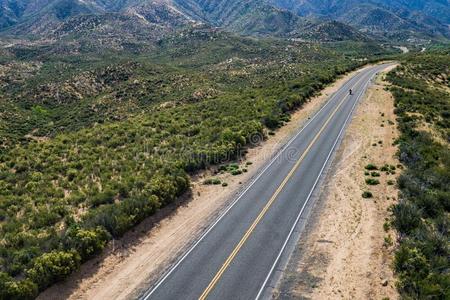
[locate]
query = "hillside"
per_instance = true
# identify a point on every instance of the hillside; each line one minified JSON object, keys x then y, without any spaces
{"x":396,"y":19}
{"x":279,"y":18}
{"x":331,"y":31}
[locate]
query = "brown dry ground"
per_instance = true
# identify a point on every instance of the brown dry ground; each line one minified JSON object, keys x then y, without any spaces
{"x":343,"y":253}
{"x":132,"y":263}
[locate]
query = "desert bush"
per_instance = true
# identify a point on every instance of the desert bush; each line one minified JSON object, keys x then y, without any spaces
{"x":407,"y":217}
{"x":87,"y":242}
{"x":213,"y":181}
{"x":367,"y":195}
{"x":371,"y":181}
{"x":11,"y":289}
{"x":52,"y":267}
{"x":236,"y":172}
{"x":371,"y":167}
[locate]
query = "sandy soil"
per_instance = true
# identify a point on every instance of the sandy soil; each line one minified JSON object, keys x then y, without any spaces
{"x":139,"y":258}
{"x":343,"y":253}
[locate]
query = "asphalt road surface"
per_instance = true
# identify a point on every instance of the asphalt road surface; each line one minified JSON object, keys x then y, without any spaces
{"x":236,"y":256}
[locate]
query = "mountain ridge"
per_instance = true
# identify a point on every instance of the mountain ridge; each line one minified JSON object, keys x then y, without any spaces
{"x":392,"y":19}
{"x":395,"y":20}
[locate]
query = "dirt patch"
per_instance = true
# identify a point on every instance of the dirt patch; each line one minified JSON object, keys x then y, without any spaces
{"x":138,"y":259}
{"x":346,"y":251}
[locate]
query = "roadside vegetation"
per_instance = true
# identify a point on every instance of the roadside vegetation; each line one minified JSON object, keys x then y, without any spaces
{"x":422,"y":100}
{"x":129,"y":133}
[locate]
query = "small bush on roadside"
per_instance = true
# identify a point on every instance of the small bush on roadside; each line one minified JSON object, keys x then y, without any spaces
{"x":385,"y":168}
{"x":371,"y":167}
{"x":367,"y":195}
{"x":212,"y":181}
{"x":236,"y":172}
{"x":371,"y":181}
{"x":388,"y":241}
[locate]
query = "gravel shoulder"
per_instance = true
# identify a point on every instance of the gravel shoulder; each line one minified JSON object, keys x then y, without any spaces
{"x":135,"y":261}
{"x":346,"y":250}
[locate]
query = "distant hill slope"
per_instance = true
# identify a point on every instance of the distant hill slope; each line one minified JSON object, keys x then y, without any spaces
{"x":110,"y":21}
{"x":330,"y":31}
{"x":243,"y":16}
{"x":42,"y":17}
{"x":393,"y":18}
{"x":398,"y":19}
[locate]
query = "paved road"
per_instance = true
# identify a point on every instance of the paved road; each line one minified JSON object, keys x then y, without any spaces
{"x":237,"y":255}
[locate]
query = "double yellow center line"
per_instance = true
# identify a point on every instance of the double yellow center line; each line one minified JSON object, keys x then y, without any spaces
{"x":263,"y":212}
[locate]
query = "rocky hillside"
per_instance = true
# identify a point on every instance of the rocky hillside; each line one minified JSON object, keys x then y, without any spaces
{"x":393,"y":19}
{"x":134,"y":19}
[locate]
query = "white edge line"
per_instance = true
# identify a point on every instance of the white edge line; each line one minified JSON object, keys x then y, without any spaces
{"x":147,"y":295}
{"x":313,"y":188}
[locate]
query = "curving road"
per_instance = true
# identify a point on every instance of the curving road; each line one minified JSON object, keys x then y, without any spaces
{"x":239,"y":255}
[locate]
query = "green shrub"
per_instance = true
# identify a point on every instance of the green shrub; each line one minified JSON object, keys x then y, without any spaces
{"x":407,"y":217}
{"x":236,"y":172}
{"x":386,"y":226}
{"x":371,"y":167}
{"x":16,"y":289}
{"x":208,"y":181}
{"x":371,"y":181}
{"x":87,"y":242}
{"x":106,"y":197}
{"x":375,"y":174}
{"x":388,"y":242}
{"x":367,"y":195}
{"x":52,"y":267}
{"x":214,"y":181}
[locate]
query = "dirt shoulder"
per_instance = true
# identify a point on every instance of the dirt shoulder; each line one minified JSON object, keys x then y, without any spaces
{"x":346,"y":251}
{"x":138,"y":259}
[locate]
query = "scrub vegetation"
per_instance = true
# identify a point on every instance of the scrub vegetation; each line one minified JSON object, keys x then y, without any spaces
{"x":422,"y":101}
{"x":93,"y":144}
